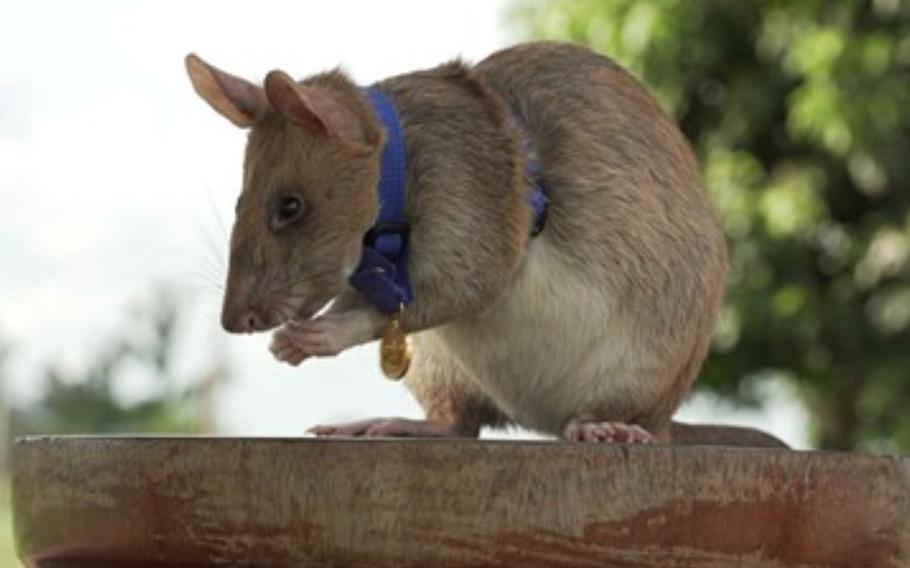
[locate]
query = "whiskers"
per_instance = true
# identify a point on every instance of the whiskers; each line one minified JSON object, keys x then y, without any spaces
{"x":289,"y":299}
{"x":210,"y":269}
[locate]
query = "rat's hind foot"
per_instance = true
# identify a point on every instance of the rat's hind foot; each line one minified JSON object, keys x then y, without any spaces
{"x":391,"y":428}
{"x":583,"y":430}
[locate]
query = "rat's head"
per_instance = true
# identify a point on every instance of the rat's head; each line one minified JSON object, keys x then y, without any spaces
{"x":308,"y":197}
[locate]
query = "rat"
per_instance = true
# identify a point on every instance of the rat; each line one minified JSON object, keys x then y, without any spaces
{"x":593,"y":329}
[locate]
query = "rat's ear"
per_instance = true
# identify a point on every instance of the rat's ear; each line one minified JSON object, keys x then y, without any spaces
{"x":236,"y":99}
{"x":314,"y":108}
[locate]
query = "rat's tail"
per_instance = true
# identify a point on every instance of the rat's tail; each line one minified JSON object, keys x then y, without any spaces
{"x":711,"y":435}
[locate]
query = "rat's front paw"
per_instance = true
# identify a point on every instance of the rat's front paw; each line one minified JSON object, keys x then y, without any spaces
{"x":324,"y":336}
{"x":284,"y":349}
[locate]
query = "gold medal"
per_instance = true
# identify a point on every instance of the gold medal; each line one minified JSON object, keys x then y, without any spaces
{"x":395,"y":349}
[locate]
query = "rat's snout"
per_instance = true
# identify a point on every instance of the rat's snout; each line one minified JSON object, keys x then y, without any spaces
{"x":243,"y":310}
{"x":242,"y":321}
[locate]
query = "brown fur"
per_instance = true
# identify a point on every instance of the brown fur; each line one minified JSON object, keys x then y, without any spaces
{"x":468,"y":168}
{"x":629,"y":230}
{"x":294,"y":274}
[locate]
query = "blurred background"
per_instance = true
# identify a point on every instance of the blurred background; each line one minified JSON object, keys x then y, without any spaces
{"x":117,"y":187}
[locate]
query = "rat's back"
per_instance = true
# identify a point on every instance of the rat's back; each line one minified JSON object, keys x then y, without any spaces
{"x":624,"y":185}
{"x":631,"y":243}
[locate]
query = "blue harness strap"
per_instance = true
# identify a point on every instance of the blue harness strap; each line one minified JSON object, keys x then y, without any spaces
{"x":382,"y":275}
{"x":537,"y":195}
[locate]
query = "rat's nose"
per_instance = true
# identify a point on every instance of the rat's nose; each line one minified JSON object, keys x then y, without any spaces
{"x":246,"y":321}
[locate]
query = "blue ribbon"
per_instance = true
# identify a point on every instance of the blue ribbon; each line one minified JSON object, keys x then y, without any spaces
{"x":382,"y":275}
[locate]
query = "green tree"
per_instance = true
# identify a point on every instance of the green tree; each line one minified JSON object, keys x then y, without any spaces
{"x":800,"y":113}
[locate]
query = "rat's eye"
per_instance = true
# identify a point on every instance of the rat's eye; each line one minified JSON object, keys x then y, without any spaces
{"x":288,"y":209}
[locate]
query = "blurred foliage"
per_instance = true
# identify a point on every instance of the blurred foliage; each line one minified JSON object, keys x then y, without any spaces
{"x":800,"y":113}
{"x":86,"y":400}
{"x":4,"y":409}
{"x":7,"y":550}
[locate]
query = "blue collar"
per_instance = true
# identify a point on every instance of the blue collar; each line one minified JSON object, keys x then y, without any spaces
{"x":382,"y":275}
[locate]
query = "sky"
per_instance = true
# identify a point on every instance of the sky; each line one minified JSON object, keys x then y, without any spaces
{"x":115,"y":179}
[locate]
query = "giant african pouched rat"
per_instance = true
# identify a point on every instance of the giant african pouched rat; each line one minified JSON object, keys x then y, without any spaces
{"x":593,"y":329}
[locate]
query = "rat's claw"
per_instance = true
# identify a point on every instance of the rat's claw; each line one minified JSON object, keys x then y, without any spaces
{"x":291,"y":356}
{"x":283,"y":348}
{"x":296,"y":358}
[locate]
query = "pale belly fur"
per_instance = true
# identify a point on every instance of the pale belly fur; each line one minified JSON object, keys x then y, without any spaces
{"x":553,"y":348}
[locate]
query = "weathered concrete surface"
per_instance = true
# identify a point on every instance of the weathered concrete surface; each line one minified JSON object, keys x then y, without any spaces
{"x":105,"y":502}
